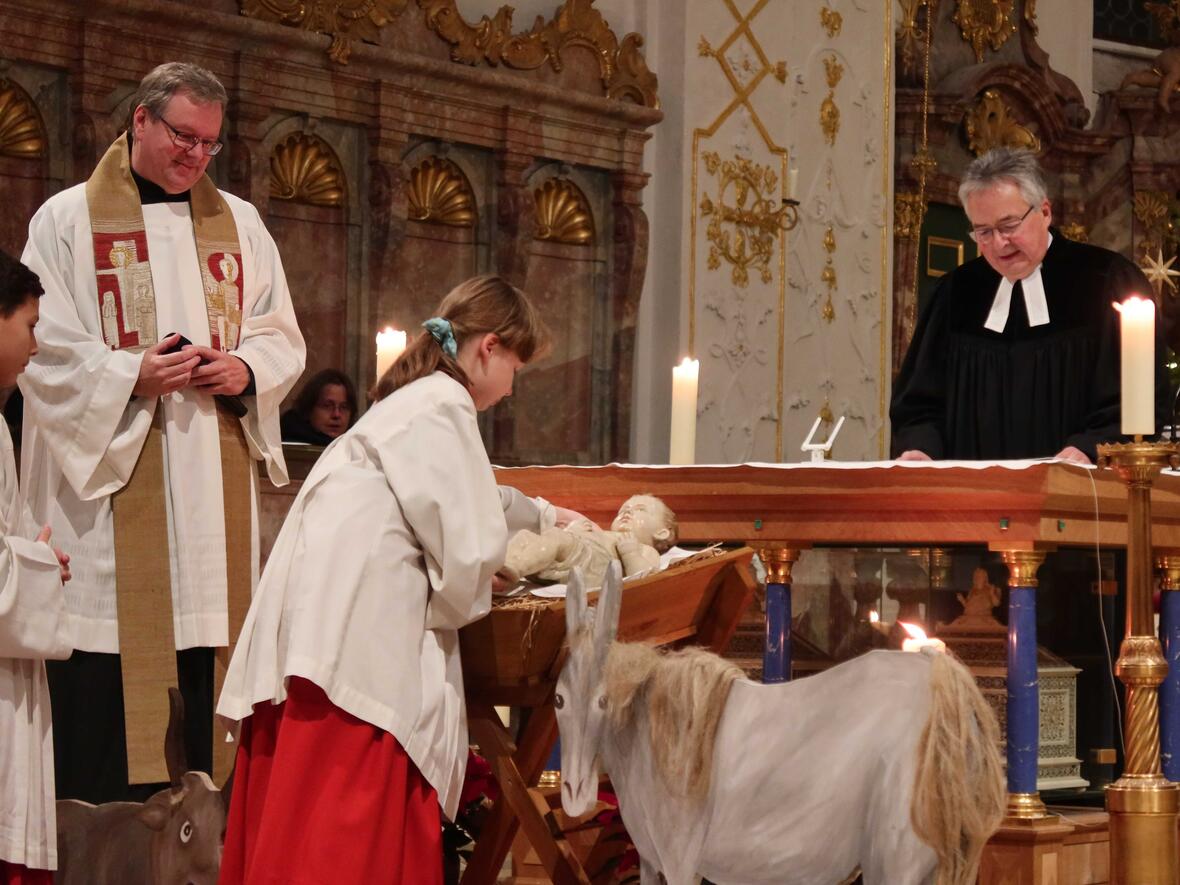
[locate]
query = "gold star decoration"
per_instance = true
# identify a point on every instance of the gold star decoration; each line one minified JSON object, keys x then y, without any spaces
{"x":1159,"y":272}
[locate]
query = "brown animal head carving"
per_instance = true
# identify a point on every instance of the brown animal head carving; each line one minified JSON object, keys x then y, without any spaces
{"x":189,"y":825}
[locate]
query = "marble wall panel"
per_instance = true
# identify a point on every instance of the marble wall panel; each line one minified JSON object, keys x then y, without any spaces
{"x":313,"y":243}
{"x":23,"y":187}
{"x":434,"y":260}
{"x":553,"y":406}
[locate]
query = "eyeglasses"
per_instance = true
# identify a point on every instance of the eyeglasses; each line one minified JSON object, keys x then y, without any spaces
{"x":186,"y":141}
{"x":1007,"y":229}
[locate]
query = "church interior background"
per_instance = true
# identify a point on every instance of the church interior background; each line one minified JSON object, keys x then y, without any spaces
{"x":765,"y":185}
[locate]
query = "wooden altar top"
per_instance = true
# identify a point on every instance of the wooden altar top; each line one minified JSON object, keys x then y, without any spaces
{"x":1002,"y":504}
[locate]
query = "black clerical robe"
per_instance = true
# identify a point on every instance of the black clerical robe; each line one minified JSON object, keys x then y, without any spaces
{"x":1028,"y":392}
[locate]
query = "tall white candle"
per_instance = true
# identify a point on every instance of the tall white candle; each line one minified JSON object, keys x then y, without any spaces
{"x":792,"y":179}
{"x":390,"y":344}
{"x":1138,"y":365}
{"x":684,"y":412}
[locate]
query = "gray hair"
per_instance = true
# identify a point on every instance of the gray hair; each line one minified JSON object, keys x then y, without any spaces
{"x":1015,"y":165}
{"x":164,"y":81}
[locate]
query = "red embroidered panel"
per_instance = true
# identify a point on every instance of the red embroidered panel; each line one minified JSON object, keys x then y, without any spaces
{"x":125,"y":299}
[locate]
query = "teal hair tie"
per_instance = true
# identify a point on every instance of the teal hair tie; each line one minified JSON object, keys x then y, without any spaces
{"x":444,"y":334}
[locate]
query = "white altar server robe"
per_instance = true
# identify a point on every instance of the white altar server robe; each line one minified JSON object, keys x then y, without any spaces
{"x":34,"y":627}
{"x":387,"y":551}
{"x":84,"y":430}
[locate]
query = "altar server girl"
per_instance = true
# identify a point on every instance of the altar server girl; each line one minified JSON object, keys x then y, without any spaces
{"x":34,"y":625}
{"x":346,"y":678}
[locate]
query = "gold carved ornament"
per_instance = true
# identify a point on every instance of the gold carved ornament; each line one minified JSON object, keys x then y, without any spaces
{"x":985,"y":23}
{"x":907,"y":215}
{"x":828,"y":276}
{"x":1030,"y":15}
{"x":439,"y":193}
{"x":907,"y":36}
{"x":831,"y":20}
{"x":344,"y":20}
{"x":990,"y":124}
{"x":622,"y":67}
{"x":1167,"y":16}
{"x":21,"y":131}
{"x":829,"y":113}
{"x":563,"y":213}
{"x":303,"y":169}
{"x":1075,"y":231}
{"x":746,"y":218}
{"x":1157,"y":212}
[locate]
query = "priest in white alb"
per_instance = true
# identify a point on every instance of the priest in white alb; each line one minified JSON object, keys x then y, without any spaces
{"x":139,"y":446}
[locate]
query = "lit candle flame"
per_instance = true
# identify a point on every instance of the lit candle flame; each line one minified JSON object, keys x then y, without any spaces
{"x":874,"y":617}
{"x":918,"y":639}
{"x":913,"y":630}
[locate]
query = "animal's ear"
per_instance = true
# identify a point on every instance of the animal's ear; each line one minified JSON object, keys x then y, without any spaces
{"x":575,"y":603}
{"x":157,"y":810}
{"x":610,"y":600}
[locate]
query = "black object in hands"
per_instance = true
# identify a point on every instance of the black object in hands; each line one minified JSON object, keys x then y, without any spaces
{"x":232,"y":403}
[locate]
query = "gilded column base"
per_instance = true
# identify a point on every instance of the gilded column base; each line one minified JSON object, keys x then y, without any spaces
{"x":1025,"y":809}
{"x":1143,"y":844}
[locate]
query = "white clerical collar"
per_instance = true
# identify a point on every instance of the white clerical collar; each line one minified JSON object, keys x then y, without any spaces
{"x":1035,"y":304}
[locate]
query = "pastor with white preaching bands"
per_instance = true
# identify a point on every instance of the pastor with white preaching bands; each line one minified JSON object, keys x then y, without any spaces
{"x":1016,"y":355}
{"x":139,"y":447}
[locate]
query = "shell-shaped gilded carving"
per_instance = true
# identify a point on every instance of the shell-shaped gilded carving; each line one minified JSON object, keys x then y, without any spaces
{"x":439,"y":193}
{"x":304,"y":169}
{"x":991,"y":124}
{"x":563,"y":213}
{"x":22,"y":133}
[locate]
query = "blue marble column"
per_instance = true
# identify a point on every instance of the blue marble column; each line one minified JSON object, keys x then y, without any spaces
{"x":1024,"y":802}
{"x":776,"y":656}
{"x":1168,"y":567}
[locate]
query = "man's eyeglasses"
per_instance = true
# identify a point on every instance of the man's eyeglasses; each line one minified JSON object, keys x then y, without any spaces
{"x":186,"y":141}
{"x":1007,"y":229}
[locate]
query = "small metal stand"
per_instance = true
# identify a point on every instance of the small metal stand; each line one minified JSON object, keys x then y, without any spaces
{"x":820,"y":450}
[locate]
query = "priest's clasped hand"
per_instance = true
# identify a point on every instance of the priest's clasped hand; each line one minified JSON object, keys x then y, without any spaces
{"x":219,"y":372}
{"x":161,"y":373}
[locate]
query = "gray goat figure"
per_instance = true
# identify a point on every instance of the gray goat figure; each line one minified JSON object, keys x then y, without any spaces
{"x":174,"y":838}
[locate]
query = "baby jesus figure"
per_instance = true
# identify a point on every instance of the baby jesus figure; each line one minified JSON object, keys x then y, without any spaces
{"x":643,"y":528}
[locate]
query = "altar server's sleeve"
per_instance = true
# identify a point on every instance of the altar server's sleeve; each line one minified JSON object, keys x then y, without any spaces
{"x":523,"y":513}
{"x":270,"y":344}
{"x":34,"y":623}
{"x":440,"y":474}
{"x":77,"y":390}
{"x":918,"y":409}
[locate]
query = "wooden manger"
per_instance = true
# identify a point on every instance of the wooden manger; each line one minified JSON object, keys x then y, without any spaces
{"x":513,"y":657}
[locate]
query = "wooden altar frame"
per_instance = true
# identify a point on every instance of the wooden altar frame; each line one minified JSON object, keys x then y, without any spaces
{"x":1044,"y":504}
{"x":513,"y":657}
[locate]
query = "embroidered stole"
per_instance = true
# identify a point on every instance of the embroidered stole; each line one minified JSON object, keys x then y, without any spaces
{"x":143,"y":580}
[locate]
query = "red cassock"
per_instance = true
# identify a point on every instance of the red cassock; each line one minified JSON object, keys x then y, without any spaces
{"x":320,"y":796}
{"x":15,"y":874}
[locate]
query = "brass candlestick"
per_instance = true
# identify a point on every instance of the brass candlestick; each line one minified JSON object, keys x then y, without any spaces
{"x":1142,"y":803}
